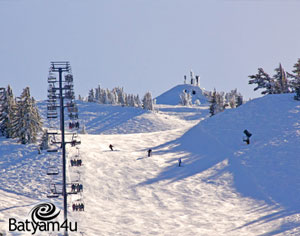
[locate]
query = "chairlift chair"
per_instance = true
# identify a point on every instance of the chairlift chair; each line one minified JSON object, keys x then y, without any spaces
{"x":51,"y":90}
{"x":51,"y":107}
{"x":73,"y":116}
{"x":52,"y":116}
{"x":51,"y":100}
{"x":52,"y":96}
{"x":68,"y":86}
{"x":69,"y":78}
{"x":76,"y":191}
{"x":52,"y":170}
{"x":52,"y":195}
{"x":52,"y":150}
{"x":78,"y":202}
{"x":55,"y":188}
{"x":69,"y":95}
{"x":51,"y":78}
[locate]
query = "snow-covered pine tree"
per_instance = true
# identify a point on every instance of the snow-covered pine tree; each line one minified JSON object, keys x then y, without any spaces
{"x":148,"y":102}
{"x":220,"y":102}
{"x":45,"y":140}
{"x":105,"y":97}
{"x":239,"y":100}
{"x":281,"y":82}
{"x":272,"y":85}
{"x":97,"y":93}
{"x":130,"y":100}
{"x":91,"y":96}
{"x":27,"y":121}
{"x":295,"y":82}
{"x":121,"y":96}
{"x":213,"y":103}
{"x":7,"y":113}
{"x":113,"y":97}
{"x":263,"y":81}
{"x":3,"y":114}
{"x":138,"y":101}
{"x":185,"y":98}
{"x":230,"y":98}
{"x":80,"y":98}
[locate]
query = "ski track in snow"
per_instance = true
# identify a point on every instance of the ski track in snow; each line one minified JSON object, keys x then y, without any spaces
{"x":127,"y":193}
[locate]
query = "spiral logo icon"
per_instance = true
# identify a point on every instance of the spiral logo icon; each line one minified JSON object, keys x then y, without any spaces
{"x":44,"y":212}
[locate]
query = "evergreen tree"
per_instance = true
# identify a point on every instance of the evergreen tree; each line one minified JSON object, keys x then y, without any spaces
{"x":138,"y":101}
{"x":220,"y":102}
{"x":185,"y":98}
{"x":105,"y":97}
{"x":27,"y":121}
{"x":239,"y":100}
{"x":295,"y":83}
{"x":97,"y":93}
{"x":230,"y":98}
{"x":80,"y":98}
{"x":263,"y":81}
{"x":7,"y":112}
{"x":272,"y":85}
{"x":91,"y":96}
{"x":45,"y":140}
{"x":281,"y":82}
{"x":147,"y":102}
{"x":213,"y":103}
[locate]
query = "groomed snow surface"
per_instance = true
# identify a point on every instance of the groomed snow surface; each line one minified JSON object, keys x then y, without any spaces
{"x":224,"y":186}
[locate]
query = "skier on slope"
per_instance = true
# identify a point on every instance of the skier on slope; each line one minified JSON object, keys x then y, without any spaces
{"x":179,"y":162}
{"x":111,"y":147}
{"x":149,"y":152}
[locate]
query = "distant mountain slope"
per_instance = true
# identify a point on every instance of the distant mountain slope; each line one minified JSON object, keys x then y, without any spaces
{"x":171,"y":97}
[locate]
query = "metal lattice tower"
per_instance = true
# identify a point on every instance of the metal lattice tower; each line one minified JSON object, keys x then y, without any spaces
{"x":61,"y":96}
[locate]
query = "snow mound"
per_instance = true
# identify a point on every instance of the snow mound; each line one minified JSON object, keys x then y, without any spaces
{"x":267,"y":170}
{"x":171,"y":97}
{"x":112,"y":119}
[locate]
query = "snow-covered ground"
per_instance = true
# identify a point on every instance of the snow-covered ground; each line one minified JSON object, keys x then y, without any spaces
{"x":223,"y":188}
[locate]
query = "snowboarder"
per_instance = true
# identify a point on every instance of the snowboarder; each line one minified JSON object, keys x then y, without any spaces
{"x":111,"y":147}
{"x":248,"y":135}
{"x":149,"y":152}
{"x":179,"y":162}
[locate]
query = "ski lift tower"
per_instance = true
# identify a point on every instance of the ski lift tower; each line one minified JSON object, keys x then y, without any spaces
{"x":65,"y":92}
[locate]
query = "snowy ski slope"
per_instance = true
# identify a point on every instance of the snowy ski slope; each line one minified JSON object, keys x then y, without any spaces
{"x":223,"y":188}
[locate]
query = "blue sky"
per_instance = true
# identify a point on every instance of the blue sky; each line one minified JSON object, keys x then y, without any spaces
{"x":146,"y":45}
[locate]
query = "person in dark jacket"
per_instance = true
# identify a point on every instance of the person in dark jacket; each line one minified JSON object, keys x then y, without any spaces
{"x":149,"y":152}
{"x":111,"y":147}
{"x":179,"y":162}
